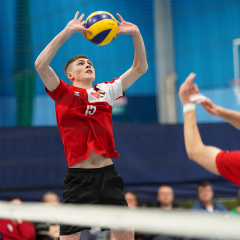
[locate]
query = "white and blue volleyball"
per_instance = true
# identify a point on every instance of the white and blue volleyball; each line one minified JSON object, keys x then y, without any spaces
{"x":103,"y":27}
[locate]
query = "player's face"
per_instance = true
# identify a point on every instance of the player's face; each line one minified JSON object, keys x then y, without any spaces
{"x":82,"y":69}
{"x":205,"y":194}
{"x":165,"y":195}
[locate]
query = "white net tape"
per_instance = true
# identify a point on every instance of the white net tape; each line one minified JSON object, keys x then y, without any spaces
{"x":146,"y":220}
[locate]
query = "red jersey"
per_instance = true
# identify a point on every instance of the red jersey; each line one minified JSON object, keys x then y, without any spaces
{"x":11,"y":231}
{"x":228,"y":164}
{"x":84,"y":119}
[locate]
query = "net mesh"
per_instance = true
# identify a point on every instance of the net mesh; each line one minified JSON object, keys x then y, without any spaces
{"x":27,"y":26}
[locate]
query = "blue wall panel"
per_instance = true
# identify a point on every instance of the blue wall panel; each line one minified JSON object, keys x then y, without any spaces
{"x":33,"y":162}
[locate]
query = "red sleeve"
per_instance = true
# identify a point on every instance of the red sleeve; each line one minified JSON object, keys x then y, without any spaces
{"x":59,"y":92}
{"x":228,"y":164}
{"x":26,"y":230}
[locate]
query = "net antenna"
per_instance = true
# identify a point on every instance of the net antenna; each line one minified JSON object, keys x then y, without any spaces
{"x":235,"y":83}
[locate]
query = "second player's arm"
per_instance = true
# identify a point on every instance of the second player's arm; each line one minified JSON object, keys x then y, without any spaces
{"x":231,"y":116}
{"x":195,"y":148}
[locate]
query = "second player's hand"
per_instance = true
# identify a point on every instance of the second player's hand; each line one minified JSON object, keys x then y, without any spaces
{"x":187,"y":89}
{"x":77,"y":25}
{"x":209,"y":106}
{"x":126,"y":27}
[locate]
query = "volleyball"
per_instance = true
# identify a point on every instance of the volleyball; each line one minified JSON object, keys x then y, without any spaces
{"x":103,"y":26}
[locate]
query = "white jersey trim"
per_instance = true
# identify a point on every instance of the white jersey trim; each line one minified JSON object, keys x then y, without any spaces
{"x":107,"y":92}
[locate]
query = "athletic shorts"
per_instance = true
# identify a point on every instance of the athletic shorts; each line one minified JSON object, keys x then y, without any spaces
{"x":228,"y":165}
{"x":92,"y":186}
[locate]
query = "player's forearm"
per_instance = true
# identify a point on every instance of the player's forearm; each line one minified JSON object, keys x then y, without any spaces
{"x":140,"y":57}
{"x":231,"y":116}
{"x":192,"y":138}
{"x":45,"y":57}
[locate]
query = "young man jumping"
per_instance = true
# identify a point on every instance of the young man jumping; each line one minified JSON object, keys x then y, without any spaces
{"x":84,"y":119}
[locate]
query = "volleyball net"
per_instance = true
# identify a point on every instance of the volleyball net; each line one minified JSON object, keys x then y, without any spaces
{"x":143,"y":220}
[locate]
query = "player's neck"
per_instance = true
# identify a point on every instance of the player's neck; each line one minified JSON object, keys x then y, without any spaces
{"x":82,"y":85}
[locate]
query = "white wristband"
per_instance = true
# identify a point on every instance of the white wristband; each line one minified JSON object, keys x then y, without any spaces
{"x":188,"y":107}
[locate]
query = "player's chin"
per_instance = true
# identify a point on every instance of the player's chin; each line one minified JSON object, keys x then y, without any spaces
{"x":91,"y":78}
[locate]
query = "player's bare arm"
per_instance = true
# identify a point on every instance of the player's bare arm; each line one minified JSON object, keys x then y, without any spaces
{"x":231,"y":116}
{"x":47,"y":74}
{"x":196,"y":150}
{"x":139,"y":66}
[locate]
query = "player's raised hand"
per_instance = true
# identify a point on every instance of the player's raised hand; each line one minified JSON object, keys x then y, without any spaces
{"x":77,"y":24}
{"x":209,"y":106}
{"x":126,"y":27}
{"x":187,"y":89}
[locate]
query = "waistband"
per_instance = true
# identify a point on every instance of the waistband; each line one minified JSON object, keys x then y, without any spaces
{"x":91,"y":170}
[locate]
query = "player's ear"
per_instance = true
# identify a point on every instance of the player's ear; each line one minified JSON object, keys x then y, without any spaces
{"x":70,"y":77}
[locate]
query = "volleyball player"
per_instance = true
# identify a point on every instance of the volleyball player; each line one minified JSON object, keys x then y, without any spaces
{"x":225,"y":163}
{"x":84,"y":118}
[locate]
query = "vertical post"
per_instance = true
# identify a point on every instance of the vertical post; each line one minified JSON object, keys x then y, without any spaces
{"x":24,"y":72}
{"x":165,"y":63}
{"x":236,"y":58}
{"x":236,"y":43}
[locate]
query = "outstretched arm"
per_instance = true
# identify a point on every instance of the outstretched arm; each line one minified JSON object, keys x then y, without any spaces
{"x":48,"y":76}
{"x":196,"y":150}
{"x":139,"y":66}
{"x":231,"y":116}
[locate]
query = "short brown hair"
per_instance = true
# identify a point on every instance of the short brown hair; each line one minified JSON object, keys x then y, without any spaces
{"x":72,"y":59}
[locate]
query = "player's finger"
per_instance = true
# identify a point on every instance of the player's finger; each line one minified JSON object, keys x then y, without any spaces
{"x":86,"y":30}
{"x":189,"y":80}
{"x":190,"y":77}
{"x":81,"y":17}
{"x":76,"y":15}
{"x":84,"y":34}
{"x":208,"y":109}
{"x":202,"y":102}
{"x":206,"y":104}
{"x":195,"y":88}
{"x":206,"y":100}
{"x":120,"y":17}
{"x":118,"y":23}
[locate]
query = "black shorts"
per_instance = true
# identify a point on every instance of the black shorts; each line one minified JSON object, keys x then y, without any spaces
{"x":92,"y":186}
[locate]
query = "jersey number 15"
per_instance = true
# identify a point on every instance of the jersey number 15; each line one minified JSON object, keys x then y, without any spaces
{"x":90,"y":110}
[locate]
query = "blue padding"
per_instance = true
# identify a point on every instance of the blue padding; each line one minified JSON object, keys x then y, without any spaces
{"x":33,"y":162}
{"x":100,"y":37}
{"x":97,"y":18}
